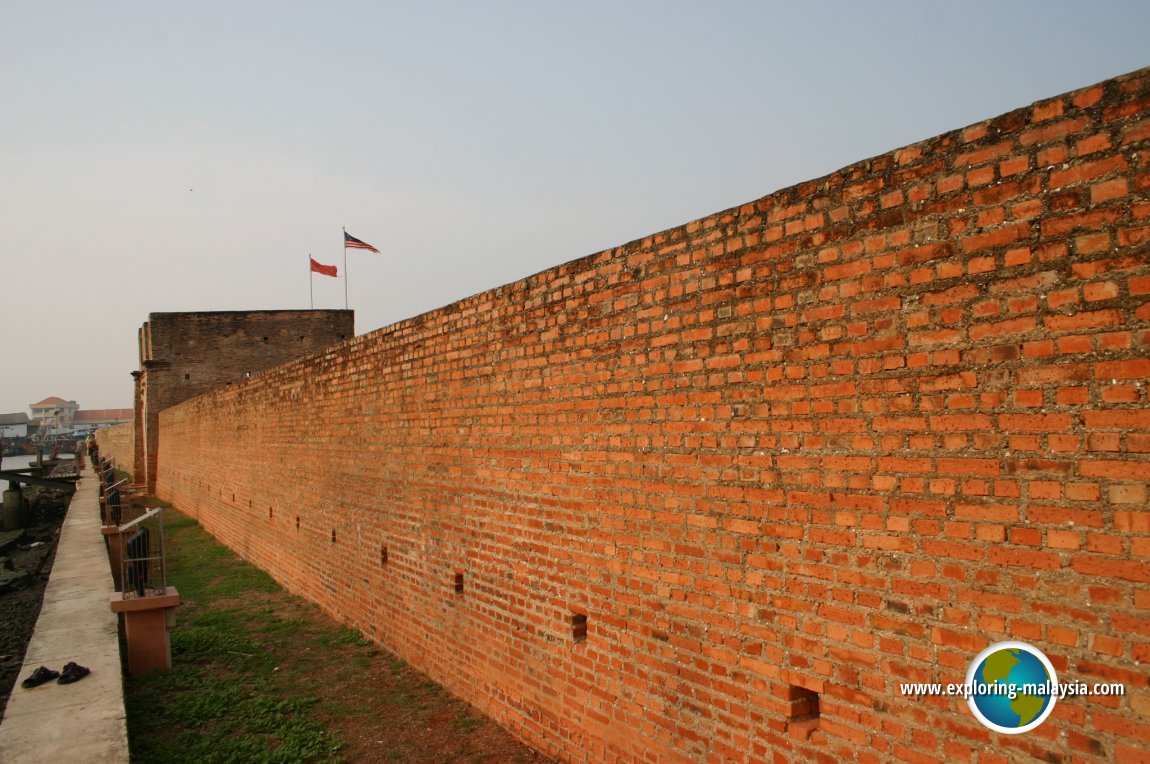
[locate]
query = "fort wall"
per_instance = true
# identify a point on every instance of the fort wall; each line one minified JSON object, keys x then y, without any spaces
{"x":713,"y":494}
{"x":118,"y":443}
{"x":183,"y":355}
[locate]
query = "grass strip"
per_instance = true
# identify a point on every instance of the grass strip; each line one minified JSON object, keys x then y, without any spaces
{"x":260,"y":675}
{"x":221,"y":702}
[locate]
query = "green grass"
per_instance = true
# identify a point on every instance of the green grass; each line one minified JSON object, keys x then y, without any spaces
{"x":260,"y":675}
{"x":221,"y":702}
{"x":467,"y":722}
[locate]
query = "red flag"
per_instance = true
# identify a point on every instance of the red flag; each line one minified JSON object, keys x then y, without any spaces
{"x":354,"y":243}
{"x":327,"y":270}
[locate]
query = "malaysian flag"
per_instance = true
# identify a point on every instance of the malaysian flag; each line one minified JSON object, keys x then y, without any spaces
{"x":327,"y":270}
{"x":354,"y":243}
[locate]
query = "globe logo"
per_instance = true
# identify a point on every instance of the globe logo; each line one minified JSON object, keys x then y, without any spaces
{"x":1012,"y":687}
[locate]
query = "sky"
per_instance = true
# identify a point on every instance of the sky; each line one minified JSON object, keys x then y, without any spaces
{"x":171,"y":156}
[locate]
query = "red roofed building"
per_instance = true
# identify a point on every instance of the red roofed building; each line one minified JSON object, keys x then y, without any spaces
{"x":93,"y":419}
{"x":54,"y":413}
{"x":60,"y":416}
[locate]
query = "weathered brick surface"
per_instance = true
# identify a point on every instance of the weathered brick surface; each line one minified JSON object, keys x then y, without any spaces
{"x":183,"y":355}
{"x":843,"y":436}
{"x":118,"y":442}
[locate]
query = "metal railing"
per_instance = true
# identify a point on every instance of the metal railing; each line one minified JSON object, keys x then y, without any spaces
{"x":142,"y":569}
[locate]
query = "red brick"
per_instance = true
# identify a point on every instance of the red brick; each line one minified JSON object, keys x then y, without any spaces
{"x":1085,"y":320}
{"x":1111,"y":567}
{"x":1104,"y":290}
{"x":1120,"y":418}
{"x":1035,"y":422}
{"x":984,"y":467}
{"x":1095,"y":219}
{"x":1135,"y":368}
{"x":1024,"y":558}
{"x":1087,"y":171}
{"x":1064,"y":539}
{"x":1054,"y":131}
{"x":1105,"y":191}
{"x":1007,"y":234}
{"x":1121,"y":470}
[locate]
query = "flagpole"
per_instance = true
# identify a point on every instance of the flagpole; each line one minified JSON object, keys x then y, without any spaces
{"x":345,"y":268}
{"x":310,"y":281}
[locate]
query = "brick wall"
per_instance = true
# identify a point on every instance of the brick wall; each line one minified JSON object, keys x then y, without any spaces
{"x":660,"y":503}
{"x":183,"y":355}
{"x":117,"y":442}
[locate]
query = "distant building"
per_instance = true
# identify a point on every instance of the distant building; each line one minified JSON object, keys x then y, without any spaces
{"x":57,"y":416}
{"x":88,"y":420}
{"x":13,"y":425}
{"x":54,"y":414}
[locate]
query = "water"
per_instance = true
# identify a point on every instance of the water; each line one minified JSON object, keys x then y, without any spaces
{"x":24,"y":460}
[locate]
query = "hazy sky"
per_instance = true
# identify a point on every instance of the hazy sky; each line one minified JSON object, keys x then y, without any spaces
{"x":177,"y":156}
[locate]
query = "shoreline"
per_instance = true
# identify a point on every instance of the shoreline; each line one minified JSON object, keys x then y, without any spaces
{"x":34,"y":553}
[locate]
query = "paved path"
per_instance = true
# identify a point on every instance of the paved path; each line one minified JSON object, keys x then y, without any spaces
{"x":85,"y":721}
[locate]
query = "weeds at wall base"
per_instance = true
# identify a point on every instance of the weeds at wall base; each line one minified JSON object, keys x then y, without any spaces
{"x":258,"y":675}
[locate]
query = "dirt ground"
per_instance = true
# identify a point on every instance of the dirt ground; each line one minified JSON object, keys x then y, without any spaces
{"x":239,"y":633}
{"x":382,"y":710}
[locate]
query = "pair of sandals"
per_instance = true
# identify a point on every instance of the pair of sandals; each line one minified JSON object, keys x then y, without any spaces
{"x":73,"y":672}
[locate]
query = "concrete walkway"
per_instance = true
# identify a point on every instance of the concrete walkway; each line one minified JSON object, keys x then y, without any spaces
{"x":84,"y":721}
